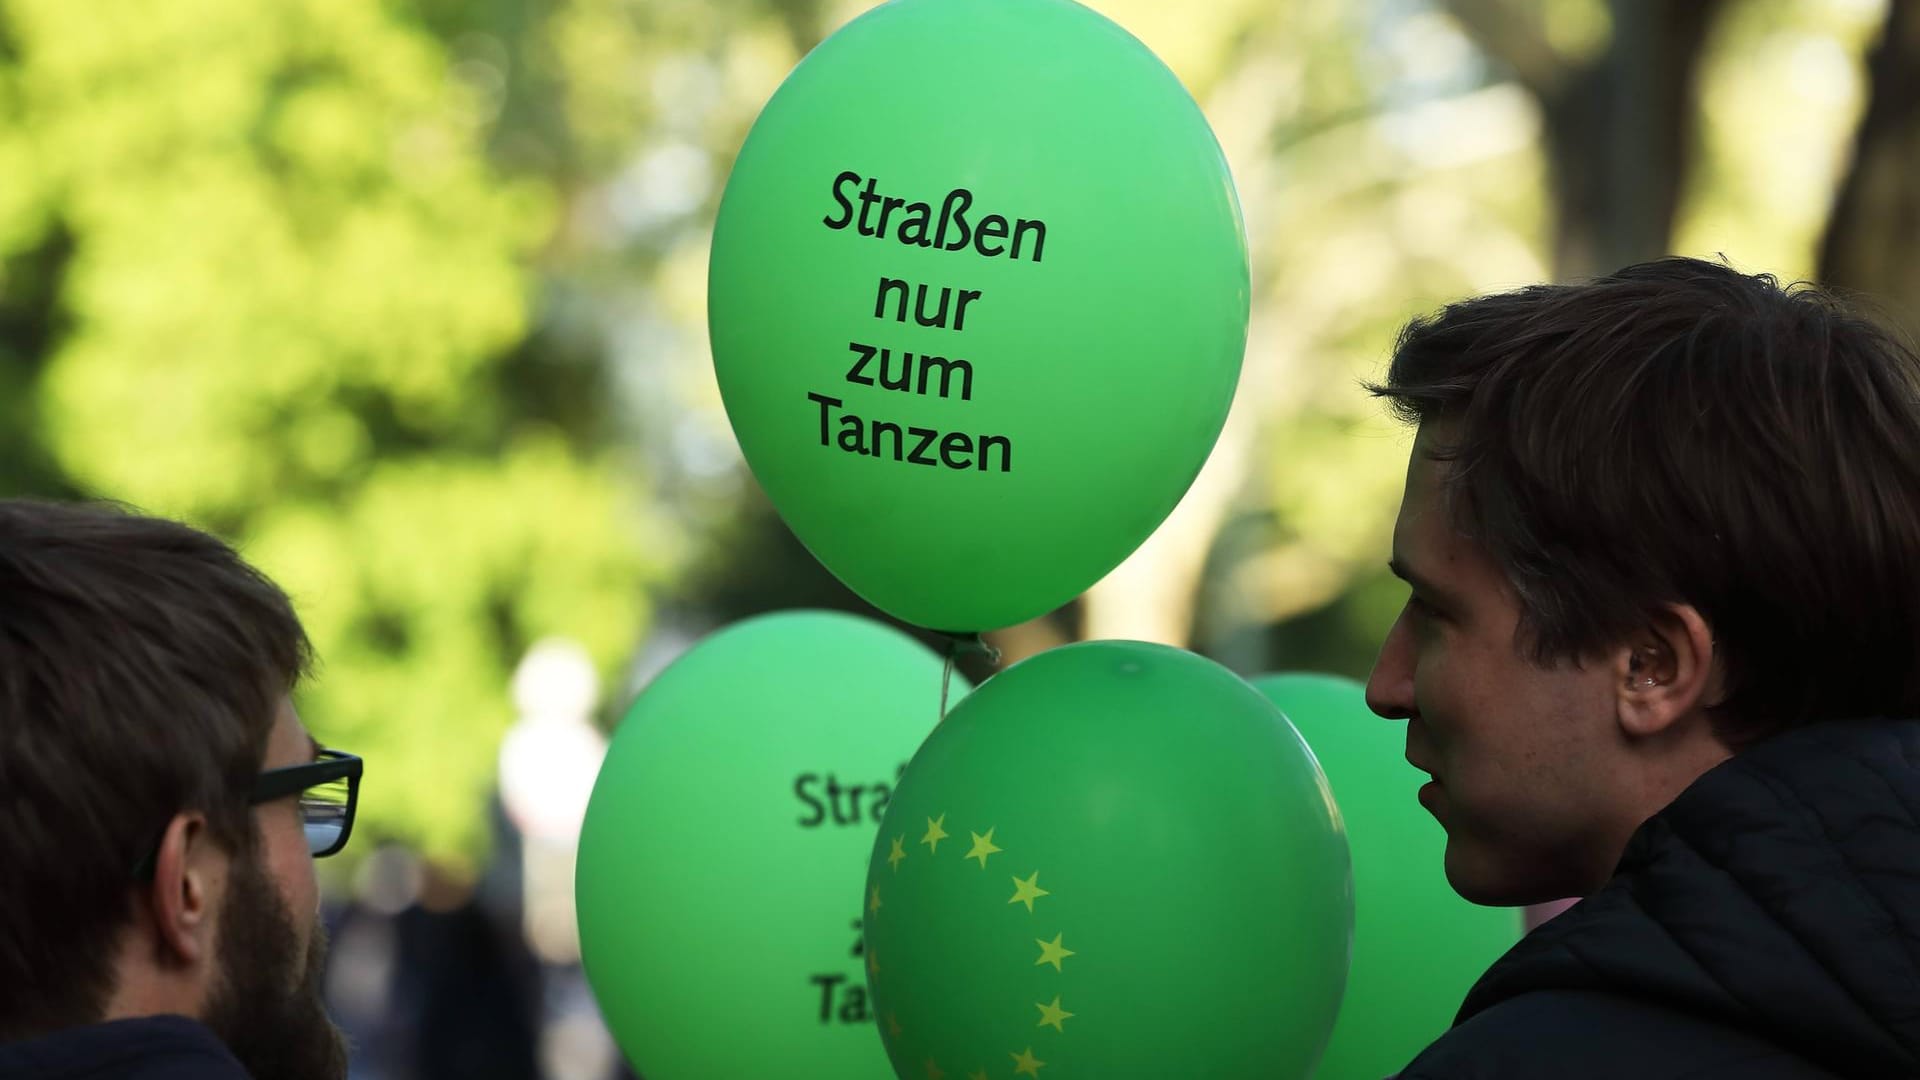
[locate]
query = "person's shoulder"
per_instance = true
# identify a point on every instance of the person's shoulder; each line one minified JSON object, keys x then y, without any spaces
{"x":147,"y":1048}
{"x":1580,"y":1034}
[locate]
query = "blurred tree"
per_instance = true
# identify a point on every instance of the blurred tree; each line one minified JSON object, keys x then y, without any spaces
{"x":1781,"y":90}
{"x":30,"y":281}
{"x":1875,"y":227}
{"x":1619,"y":112}
{"x":261,"y":276}
{"x":1707,"y":129}
{"x":1385,"y":170}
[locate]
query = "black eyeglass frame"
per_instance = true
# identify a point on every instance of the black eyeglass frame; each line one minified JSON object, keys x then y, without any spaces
{"x":326,"y":767}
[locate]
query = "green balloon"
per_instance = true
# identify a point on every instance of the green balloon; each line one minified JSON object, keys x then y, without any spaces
{"x":719,"y":873}
{"x":1417,"y":947}
{"x":978,"y":298}
{"x":1112,"y":860}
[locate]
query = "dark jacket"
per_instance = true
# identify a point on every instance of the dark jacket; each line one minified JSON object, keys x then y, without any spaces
{"x":1765,"y":926}
{"x":150,"y":1048}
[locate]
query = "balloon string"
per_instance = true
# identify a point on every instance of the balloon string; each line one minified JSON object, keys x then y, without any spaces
{"x":957,"y":646}
{"x":946,"y":683}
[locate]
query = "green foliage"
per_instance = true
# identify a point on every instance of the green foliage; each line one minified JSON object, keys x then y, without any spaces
{"x":296,"y":311}
{"x":1405,"y":169}
{"x":1387,"y":176}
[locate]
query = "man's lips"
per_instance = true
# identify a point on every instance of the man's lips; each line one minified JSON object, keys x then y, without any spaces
{"x":1429,"y":789}
{"x":1427,"y":793}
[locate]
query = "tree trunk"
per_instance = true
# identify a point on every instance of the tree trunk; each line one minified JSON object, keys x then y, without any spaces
{"x":1875,"y":227}
{"x":1619,"y":127}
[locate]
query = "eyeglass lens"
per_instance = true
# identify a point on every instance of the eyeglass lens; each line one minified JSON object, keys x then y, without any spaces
{"x":323,"y":808}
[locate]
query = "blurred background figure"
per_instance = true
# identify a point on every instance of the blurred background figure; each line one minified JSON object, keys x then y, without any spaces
{"x":437,"y":979}
{"x":407,"y":300}
{"x":548,"y":762}
{"x":449,"y":977}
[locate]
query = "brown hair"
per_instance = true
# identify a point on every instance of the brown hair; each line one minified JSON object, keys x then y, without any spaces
{"x":141,"y":667}
{"x":1679,"y":432}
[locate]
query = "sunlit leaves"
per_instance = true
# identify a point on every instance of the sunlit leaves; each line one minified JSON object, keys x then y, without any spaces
{"x":296,"y":285}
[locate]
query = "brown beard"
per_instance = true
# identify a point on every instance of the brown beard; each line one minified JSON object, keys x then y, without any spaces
{"x":277,"y":1030}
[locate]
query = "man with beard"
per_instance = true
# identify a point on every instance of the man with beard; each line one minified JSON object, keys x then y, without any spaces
{"x":1662,"y":651}
{"x":160,"y":809}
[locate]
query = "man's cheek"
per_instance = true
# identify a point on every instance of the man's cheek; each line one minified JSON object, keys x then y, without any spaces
{"x":315,"y":968}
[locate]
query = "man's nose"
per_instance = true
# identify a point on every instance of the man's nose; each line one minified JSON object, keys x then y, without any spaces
{"x":1390,"y":685}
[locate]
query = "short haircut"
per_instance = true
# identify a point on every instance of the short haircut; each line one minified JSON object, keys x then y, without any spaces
{"x":1679,"y":432}
{"x":141,"y":668}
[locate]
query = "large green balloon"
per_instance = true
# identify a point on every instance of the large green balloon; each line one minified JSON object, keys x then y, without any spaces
{"x":978,"y":298}
{"x":719,"y":875}
{"x":1112,"y":860}
{"x":1417,"y":947}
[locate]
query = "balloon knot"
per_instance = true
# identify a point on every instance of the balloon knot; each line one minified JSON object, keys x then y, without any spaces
{"x":969,"y":644}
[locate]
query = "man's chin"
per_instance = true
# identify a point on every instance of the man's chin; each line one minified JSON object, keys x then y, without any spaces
{"x":1477,"y":878}
{"x":285,"y":1036}
{"x":279,"y":1032}
{"x":1491,"y":881}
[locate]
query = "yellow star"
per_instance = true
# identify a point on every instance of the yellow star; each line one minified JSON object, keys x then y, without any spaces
{"x":874,"y":904}
{"x":1028,"y":891}
{"x":935,"y":833}
{"x":1025,"y":1062}
{"x":934,"y":1071}
{"x":873,"y":964}
{"x":897,"y":853}
{"x":981,"y":1075}
{"x":893,"y":1025}
{"x":1052,"y":952}
{"x":1052,"y":1014}
{"x":983,"y":846}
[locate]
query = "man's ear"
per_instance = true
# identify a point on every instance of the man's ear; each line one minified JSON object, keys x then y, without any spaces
{"x":1665,"y":672}
{"x":186,"y":876}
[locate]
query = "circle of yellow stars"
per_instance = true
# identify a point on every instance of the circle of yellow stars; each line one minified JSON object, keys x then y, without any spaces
{"x":1026,"y":891}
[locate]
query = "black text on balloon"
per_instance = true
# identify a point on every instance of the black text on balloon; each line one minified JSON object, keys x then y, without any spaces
{"x":851,"y":998}
{"x":848,"y":804}
{"x":855,"y":434}
{"x":895,"y":289}
{"x":876,"y":216}
{"x":886,"y":377}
